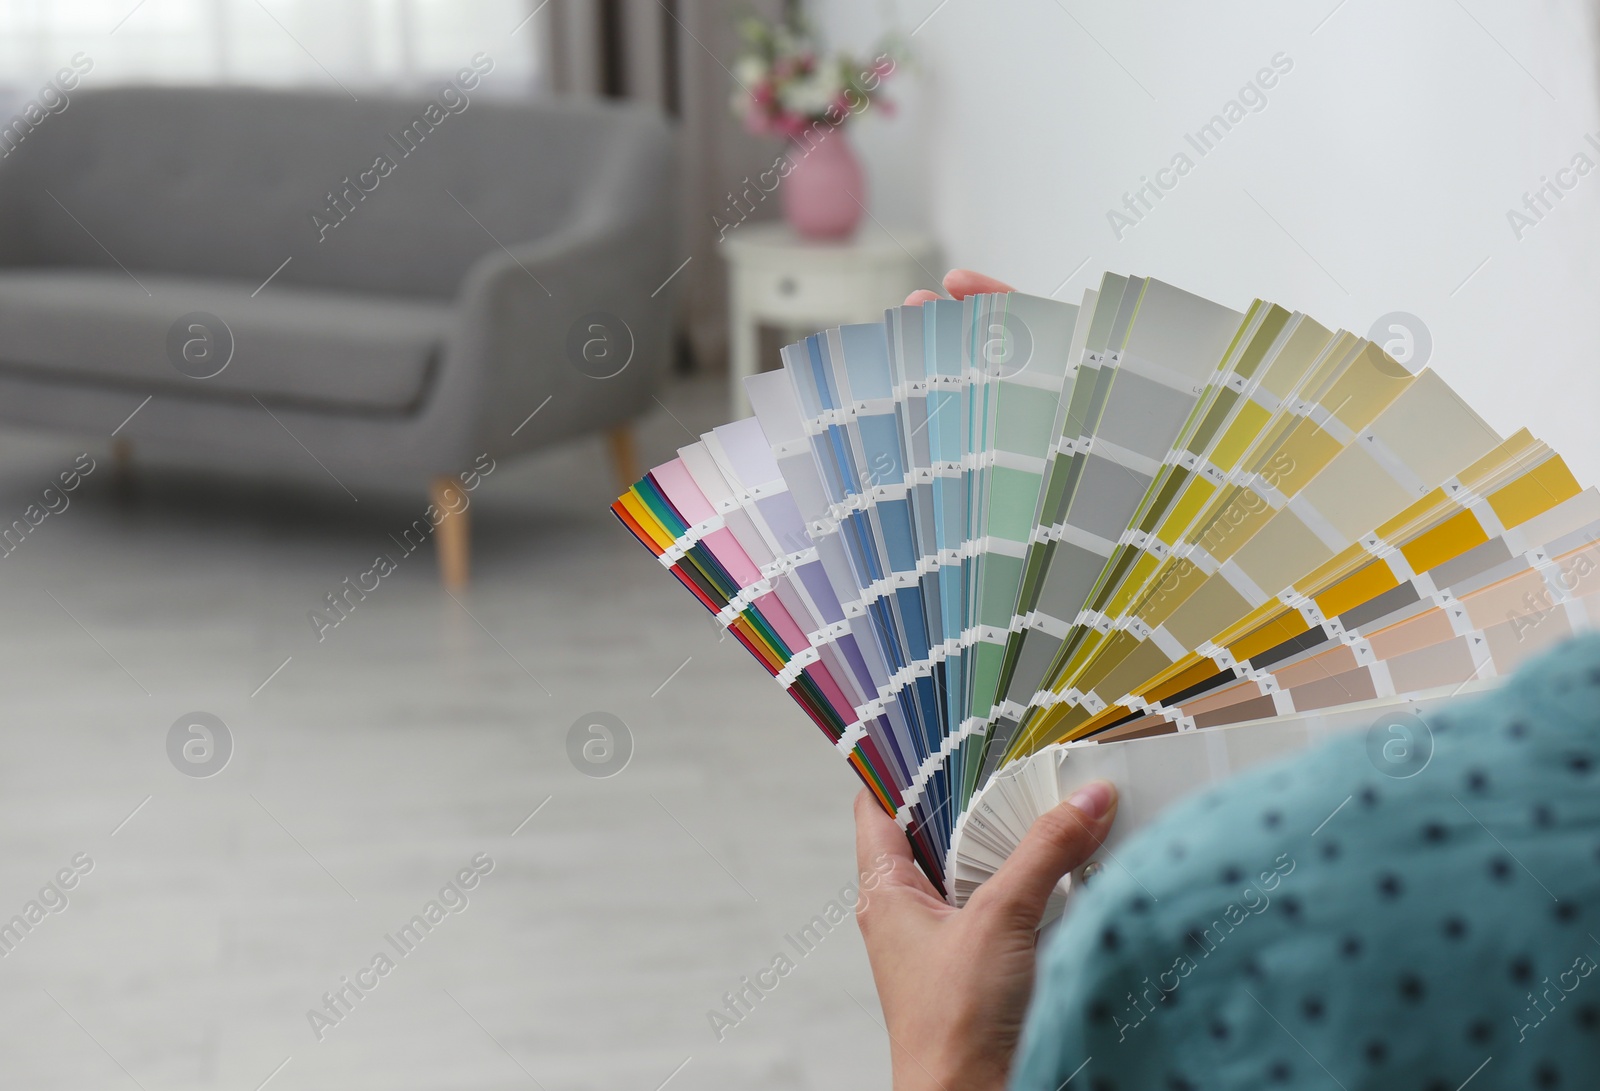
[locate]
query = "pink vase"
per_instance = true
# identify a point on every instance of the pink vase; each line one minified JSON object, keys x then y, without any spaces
{"x":824,"y":186}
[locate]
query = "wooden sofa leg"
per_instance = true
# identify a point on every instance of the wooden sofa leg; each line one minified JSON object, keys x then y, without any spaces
{"x":624,"y":455}
{"x":121,"y":462}
{"x":452,"y":537}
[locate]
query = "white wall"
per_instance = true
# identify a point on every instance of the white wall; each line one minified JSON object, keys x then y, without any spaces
{"x":1388,"y":157}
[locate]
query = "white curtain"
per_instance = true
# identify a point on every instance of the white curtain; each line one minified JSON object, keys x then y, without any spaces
{"x":355,"y":44}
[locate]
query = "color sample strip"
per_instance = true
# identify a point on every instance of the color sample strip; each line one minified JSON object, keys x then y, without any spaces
{"x":1349,"y":381}
{"x":734,"y":469}
{"x":774,"y":400}
{"x":720,"y":561}
{"x":1101,"y":327}
{"x":840,"y":380}
{"x":1518,"y":479}
{"x":707,"y":575}
{"x":970,"y":364}
{"x":1416,"y":444}
{"x":719,"y":566}
{"x":974,"y":532}
{"x":1254,"y":403}
{"x":900,"y":516}
{"x":946,"y":337}
{"x":879,"y":508}
{"x":1150,"y":774}
{"x":1236,"y":405}
{"x":1002,"y":719}
{"x":1025,"y":344}
{"x":647,"y":512}
{"x":1415,"y":633}
{"x":1163,"y":346}
{"x":804,"y":411}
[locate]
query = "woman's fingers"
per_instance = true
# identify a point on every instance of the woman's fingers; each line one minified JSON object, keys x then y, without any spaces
{"x":961,"y":283}
{"x":1058,"y":841}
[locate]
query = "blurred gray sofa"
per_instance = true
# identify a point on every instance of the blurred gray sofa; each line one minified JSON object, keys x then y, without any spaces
{"x":398,"y":288}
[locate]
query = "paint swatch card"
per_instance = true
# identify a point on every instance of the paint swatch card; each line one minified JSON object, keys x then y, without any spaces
{"x":996,"y":547}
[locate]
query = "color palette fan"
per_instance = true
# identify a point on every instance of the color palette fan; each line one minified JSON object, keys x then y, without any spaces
{"x":1000,"y":546}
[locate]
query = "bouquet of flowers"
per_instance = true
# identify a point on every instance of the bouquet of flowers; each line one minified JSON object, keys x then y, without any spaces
{"x":787,"y":85}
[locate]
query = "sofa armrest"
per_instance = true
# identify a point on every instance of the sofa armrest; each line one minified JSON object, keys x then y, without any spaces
{"x":518,"y":303}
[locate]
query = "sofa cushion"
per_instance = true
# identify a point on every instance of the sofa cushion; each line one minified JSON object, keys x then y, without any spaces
{"x":291,"y":346}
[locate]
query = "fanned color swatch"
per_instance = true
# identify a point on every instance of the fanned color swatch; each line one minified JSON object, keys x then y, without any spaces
{"x":1001,"y":546}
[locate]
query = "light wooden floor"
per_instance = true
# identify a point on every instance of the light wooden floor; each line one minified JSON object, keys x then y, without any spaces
{"x":371,"y":768}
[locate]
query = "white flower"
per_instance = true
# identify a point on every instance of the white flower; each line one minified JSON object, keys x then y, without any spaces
{"x":749,"y":71}
{"x":810,"y":95}
{"x":785,"y":43}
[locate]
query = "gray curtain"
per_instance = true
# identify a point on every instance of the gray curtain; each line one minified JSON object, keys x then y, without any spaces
{"x":672,"y":53}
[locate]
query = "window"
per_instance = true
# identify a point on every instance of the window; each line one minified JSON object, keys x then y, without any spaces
{"x":396,"y":45}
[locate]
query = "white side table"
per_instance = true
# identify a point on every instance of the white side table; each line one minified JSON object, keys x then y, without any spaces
{"x":777,"y":278}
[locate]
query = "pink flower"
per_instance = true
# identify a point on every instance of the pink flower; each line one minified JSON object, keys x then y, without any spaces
{"x":787,"y":80}
{"x":790,"y":126}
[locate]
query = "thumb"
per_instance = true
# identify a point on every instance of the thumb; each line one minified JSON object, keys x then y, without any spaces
{"x":878,"y":837}
{"x":1059,"y":840}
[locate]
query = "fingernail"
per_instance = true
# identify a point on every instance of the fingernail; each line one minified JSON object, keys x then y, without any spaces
{"x":1093,"y":799}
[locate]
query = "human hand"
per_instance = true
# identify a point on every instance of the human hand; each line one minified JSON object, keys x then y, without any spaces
{"x":960,"y":283}
{"x":954,"y":983}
